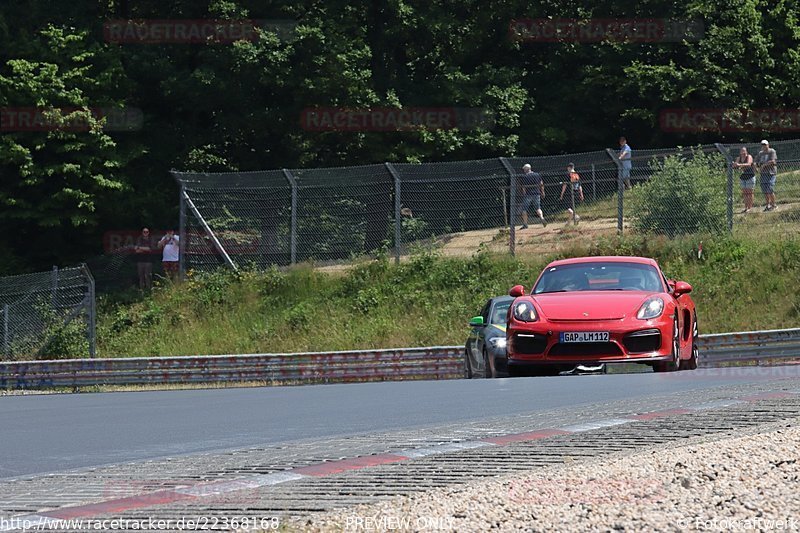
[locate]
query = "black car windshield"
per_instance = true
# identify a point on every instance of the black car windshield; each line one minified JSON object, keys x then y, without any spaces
{"x":500,"y":313}
{"x":599,"y":277}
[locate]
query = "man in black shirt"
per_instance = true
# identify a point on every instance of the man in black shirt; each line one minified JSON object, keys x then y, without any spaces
{"x":144,"y":259}
{"x":532,"y":189}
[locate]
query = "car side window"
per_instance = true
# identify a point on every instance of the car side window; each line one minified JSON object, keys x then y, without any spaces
{"x":485,"y":312}
{"x":666,"y":283}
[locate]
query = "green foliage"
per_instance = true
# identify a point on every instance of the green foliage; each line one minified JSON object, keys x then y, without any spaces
{"x":66,"y":342}
{"x":237,"y":106}
{"x":58,"y":176}
{"x":685,"y":194}
{"x":428,"y":300}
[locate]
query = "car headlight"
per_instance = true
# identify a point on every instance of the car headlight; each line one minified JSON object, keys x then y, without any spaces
{"x":651,"y":308}
{"x":525,"y":312}
{"x":498,"y":342}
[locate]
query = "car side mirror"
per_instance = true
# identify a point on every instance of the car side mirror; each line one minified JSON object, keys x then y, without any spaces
{"x":681,"y":287}
{"x":517,"y":291}
{"x":476,"y":321}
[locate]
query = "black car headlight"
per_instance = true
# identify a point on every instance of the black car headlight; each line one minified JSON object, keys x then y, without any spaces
{"x":525,"y":312}
{"x":651,"y":308}
{"x":498,"y":342}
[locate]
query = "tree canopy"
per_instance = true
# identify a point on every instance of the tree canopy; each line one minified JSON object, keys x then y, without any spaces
{"x":238,"y":104}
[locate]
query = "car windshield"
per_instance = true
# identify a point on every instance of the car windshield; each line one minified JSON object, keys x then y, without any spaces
{"x":599,"y":277}
{"x":500,"y":313}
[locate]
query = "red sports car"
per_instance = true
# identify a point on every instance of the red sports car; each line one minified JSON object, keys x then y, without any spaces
{"x":594,"y":310}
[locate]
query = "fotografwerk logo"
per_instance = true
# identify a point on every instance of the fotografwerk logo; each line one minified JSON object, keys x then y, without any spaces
{"x":644,"y":30}
{"x":70,"y":118}
{"x":730,"y":120}
{"x":395,"y":119}
{"x":164,"y":31}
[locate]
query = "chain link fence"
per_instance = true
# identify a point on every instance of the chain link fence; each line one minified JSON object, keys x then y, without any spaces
{"x":331,"y":215}
{"x":47,"y":315}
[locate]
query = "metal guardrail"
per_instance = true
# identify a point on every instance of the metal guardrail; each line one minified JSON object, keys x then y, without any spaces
{"x":749,"y":346}
{"x":433,"y":362}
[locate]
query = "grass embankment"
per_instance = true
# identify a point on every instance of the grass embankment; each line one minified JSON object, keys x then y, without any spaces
{"x":740,"y":284}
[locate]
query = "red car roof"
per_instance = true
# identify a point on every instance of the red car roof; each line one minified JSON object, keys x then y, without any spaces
{"x":605,"y":259}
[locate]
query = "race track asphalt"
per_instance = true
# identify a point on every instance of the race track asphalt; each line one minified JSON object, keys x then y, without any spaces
{"x":47,"y":433}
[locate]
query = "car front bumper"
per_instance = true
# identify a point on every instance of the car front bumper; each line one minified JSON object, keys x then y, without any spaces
{"x":629,"y":342}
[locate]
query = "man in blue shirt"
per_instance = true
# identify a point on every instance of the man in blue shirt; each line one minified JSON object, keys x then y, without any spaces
{"x":532,"y":188}
{"x":625,"y":157}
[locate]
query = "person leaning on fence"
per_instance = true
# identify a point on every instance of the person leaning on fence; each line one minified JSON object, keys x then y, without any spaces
{"x":170,"y":258}
{"x":767,"y":162}
{"x":748,"y":177}
{"x":576,"y":192}
{"x":625,"y":167}
{"x":144,"y":248}
{"x":532,"y":188}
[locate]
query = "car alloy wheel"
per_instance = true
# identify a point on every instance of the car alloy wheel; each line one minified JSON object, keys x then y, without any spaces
{"x":467,"y":366}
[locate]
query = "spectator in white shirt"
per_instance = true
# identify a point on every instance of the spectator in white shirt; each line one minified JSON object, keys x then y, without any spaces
{"x":170,"y":243}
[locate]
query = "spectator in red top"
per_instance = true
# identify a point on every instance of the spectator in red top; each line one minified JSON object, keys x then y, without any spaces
{"x":576,"y":193}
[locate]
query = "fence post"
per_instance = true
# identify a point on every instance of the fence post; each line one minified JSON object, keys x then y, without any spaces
{"x":729,"y":163}
{"x":54,"y":282}
{"x":620,"y":189}
{"x":398,"y":221}
{"x":512,"y":208}
{"x":5,"y":330}
{"x":182,"y":233}
{"x":92,"y":311}
{"x":594,"y":185}
{"x":293,"y":227}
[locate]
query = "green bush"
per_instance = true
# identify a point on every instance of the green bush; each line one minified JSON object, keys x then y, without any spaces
{"x":685,"y":194}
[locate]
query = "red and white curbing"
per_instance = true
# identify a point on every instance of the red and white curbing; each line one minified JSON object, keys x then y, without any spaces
{"x":214,"y":489}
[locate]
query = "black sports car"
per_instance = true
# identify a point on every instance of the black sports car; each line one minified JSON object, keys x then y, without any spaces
{"x":485,"y":351}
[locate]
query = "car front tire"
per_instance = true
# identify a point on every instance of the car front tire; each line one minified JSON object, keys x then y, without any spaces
{"x":487,"y":367}
{"x":675,"y":363}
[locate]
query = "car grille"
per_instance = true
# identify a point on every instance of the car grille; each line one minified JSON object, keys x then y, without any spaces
{"x":585,"y":348}
{"x":648,"y":340}
{"x":529,"y":343}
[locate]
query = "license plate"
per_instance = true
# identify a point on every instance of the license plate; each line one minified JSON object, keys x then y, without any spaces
{"x":584,"y":336}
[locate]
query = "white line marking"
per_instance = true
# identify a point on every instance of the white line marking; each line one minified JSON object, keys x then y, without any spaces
{"x":596,"y":424}
{"x":716,"y":404}
{"x":224,"y":487}
{"x":444,"y":448}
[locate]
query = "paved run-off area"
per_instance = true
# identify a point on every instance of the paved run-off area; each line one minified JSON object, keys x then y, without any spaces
{"x":749,"y":482}
{"x":575,"y":465}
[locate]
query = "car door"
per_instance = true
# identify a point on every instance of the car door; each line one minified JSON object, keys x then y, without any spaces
{"x":476,"y":337}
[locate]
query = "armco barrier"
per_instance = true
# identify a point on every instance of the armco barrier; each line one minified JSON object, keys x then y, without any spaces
{"x":433,"y":362}
{"x":749,"y":346}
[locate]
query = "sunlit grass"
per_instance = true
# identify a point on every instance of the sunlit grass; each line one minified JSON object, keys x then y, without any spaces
{"x":744,"y":282}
